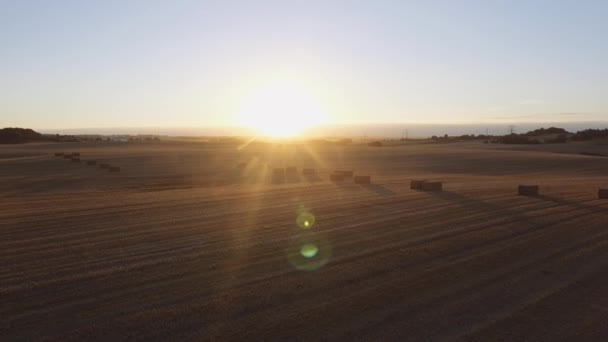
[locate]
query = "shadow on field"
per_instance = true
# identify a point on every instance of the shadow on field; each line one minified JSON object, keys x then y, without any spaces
{"x":312,"y":178}
{"x":470,"y":202}
{"x":595,"y":209}
{"x":379,"y":189}
{"x":346,"y":185}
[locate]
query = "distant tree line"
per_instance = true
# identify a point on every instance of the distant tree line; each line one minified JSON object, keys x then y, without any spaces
{"x":13,"y":135}
{"x":552,"y":135}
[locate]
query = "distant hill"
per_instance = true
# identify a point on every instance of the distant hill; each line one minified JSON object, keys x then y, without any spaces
{"x":546,"y":131}
{"x":18,"y":135}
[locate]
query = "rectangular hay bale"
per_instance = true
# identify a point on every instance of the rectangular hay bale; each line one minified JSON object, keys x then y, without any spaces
{"x":75,"y":160}
{"x":336,"y":177}
{"x":91,"y":162}
{"x":432,"y":186}
{"x":527,"y":190}
{"x":58,"y":154}
{"x":602,"y":193}
{"x":75,"y":154}
{"x":104,"y":166}
{"x":416,"y":184}
{"x":363,"y":179}
{"x":114,"y":169}
{"x":308,"y":171}
{"x":291,"y":170}
{"x":345,"y":173}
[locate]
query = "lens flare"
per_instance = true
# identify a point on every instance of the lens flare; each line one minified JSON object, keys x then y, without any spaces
{"x":305,"y":220}
{"x":309,"y":250}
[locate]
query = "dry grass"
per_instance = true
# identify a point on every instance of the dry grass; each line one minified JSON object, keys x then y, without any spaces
{"x":179,"y":245}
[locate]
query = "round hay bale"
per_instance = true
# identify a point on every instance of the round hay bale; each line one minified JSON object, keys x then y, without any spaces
{"x":336,"y":177}
{"x":58,"y":154}
{"x":527,"y":190}
{"x":432,"y":186}
{"x":416,"y":184}
{"x":363,"y":179}
{"x":91,"y":162}
{"x":602,"y":193}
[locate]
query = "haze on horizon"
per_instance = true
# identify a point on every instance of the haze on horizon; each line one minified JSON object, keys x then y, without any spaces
{"x":284,"y":66}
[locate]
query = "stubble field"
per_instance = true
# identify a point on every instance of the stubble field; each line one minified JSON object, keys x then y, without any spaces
{"x":182,"y":245}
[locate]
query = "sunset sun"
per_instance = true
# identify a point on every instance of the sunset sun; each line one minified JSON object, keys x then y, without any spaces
{"x":281,"y":110}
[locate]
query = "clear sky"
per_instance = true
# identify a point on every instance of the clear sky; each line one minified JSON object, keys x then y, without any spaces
{"x":75,"y":64}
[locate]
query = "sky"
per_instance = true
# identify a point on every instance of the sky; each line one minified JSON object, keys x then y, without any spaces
{"x":77,"y":64}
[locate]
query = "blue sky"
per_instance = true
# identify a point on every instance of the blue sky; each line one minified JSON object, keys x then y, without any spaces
{"x":72,"y":64}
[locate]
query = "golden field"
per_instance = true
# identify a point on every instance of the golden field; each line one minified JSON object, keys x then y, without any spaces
{"x":181,"y":244}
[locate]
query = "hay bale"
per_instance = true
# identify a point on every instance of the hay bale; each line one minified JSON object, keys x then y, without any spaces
{"x":278,"y":175}
{"x":432,"y":186}
{"x":345,"y":173}
{"x":309,"y":172}
{"x":363,"y":179}
{"x":527,"y":190}
{"x":416,"y":184}
{"x":114,"y":169}
{"x":291,"y":170}
{"x":75,"y":160}
{"x":58,"y":154}
{"x":602,"y":193}
{"x":336,"y":177}
{"x":75,"y":154}
{"x":104,"y":166}
{"x":91,"y":162}
{"x":67,"y":156}
{"x":241,"y":166}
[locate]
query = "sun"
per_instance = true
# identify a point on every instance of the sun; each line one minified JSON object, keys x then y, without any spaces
{"x":281,"y":110}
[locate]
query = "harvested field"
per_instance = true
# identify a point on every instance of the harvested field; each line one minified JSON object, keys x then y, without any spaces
{"x":179,"y":245}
